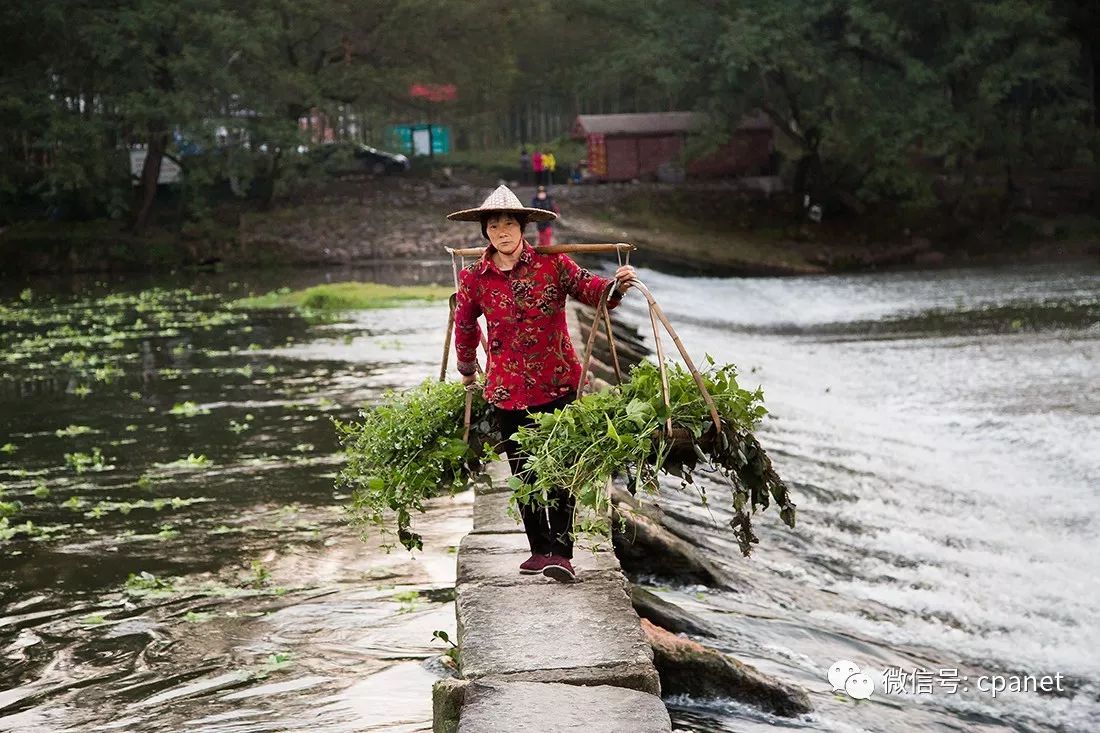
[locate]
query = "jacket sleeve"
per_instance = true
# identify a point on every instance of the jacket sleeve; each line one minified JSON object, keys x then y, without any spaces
{"x":467,"y":329}
{"x":583,"y":285}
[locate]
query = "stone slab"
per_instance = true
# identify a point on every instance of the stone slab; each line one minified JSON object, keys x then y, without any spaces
{"x":580,"y":633}
{"x":493,"y":559}
{"x":494,"y":479}
{"x":491,"y":514}
{"x":515,"y":707}
{"x":448,"y":694}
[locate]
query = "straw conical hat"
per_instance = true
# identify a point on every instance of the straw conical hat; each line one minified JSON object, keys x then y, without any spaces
{"x":502,"y":200}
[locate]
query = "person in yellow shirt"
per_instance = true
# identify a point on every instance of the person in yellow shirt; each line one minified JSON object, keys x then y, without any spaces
{"x":549,"y":163}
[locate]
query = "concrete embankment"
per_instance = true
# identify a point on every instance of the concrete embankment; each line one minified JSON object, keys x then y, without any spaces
{"x":537,"y":654}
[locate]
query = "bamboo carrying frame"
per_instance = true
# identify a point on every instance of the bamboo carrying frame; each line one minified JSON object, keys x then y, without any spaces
{"x":602,"y":317}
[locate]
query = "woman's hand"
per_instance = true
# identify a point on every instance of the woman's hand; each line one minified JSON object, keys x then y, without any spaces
{"x":468,"y":379}
{"x":625,"y":277}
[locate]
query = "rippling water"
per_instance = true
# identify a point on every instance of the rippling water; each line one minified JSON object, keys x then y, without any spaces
{"x":174,"y":554}
{"x":941,"y":433}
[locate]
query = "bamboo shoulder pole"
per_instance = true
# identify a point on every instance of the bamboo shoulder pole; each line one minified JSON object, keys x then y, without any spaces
{"x":552,"y":249}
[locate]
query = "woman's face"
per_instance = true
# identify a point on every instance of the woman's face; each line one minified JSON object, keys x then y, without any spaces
{"x":504,"y":233}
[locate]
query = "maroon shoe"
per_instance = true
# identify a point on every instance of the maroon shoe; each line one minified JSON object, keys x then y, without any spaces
{"x":534,"y":564}
{"x":560,"y":569}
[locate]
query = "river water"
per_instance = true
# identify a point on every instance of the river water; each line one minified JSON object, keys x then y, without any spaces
{"x":186,"y":565}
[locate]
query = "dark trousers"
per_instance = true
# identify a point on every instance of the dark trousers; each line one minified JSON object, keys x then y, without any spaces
{"x":549,"y":528}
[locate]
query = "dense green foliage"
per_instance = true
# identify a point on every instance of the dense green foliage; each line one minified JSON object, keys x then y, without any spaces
{"x":409,"y":448}
{"x":582,"y":445}
{"x":874,"y":100}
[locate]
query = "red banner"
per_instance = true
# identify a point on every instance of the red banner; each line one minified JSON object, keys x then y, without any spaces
{"x":434,"y":92}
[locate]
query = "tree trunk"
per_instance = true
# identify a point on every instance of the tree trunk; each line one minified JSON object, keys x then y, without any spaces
{"x":150,"y":173}
{"x":272,"y":178}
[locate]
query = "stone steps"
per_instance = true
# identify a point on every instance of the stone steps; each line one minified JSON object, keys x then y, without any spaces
{"x":541,"y":655}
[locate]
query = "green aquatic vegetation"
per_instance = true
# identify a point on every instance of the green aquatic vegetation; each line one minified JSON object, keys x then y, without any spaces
{"x":408,"y":599}
{"x":72,"y":431}
{"x":275,"y":663}
{"x":167,"y":532}
{"x":10,"y":508}
{"x":8,"y":448}
{"x":145,"y":583}
{"x":103,"y":508}
{"x":74,"y":503}
{"x":41,"y":491}
{"x":84,"y":462}
{"x":347,"y":296}
{"x":198,"y":617}
{"x":107,"y":374}
{"x":28,"y":529}
{"x":407,"y":449}
{"x":224,"y":529}
{"x":81,"y":390}
{"x":191,"y":461}
{"x":239,"y":427}
{"x":187,"y":409}
{"x":261,"y":576}
{"x":93,"y":619}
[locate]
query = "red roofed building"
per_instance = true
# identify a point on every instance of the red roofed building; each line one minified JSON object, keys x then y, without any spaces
{"x":628,"y":146}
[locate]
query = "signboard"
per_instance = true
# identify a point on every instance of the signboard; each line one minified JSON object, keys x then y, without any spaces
{"x":422,"y":139}
{"x":169,"y":171}
{"x":434,"y":92}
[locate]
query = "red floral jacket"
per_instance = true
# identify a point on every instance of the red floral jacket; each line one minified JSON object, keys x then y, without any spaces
{"x":531,"y":357}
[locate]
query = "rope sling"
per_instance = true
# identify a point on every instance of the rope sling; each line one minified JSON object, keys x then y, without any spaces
{"x":622,"y":251}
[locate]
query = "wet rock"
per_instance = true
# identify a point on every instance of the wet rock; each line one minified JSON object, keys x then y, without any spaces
{"x":591,"y":634}
{"x":644,"y":546}
{"x":667,"y":615}
{"x":448,"y":696}
{"x":493,"y":706}
{"x":493,"y":559}
{"x":688,"y":667}
{"x":929,"y":259}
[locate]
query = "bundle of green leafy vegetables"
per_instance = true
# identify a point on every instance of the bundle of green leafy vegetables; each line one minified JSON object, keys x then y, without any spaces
{"x":582,"y":445}
{"x":410,"y":448}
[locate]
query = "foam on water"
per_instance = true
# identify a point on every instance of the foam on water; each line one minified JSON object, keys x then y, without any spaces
{"x":956,"y":475}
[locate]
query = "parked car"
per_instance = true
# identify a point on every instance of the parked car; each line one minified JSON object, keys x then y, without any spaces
{"x":346,"y":158}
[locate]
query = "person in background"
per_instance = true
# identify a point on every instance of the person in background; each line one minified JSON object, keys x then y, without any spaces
{"x":545,"y":201}
{"x":524,"y":166}
{"x":549,"y":164}
{"x":532,"y":365}
{"x":536,"y":165}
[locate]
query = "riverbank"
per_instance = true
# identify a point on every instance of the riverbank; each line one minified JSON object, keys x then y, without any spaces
{"x":705,"y":228}
{"x":715,"y":228}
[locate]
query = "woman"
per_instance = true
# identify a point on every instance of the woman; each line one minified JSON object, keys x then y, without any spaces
{"x":532,"y":365}
{"x":543,"y":200}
